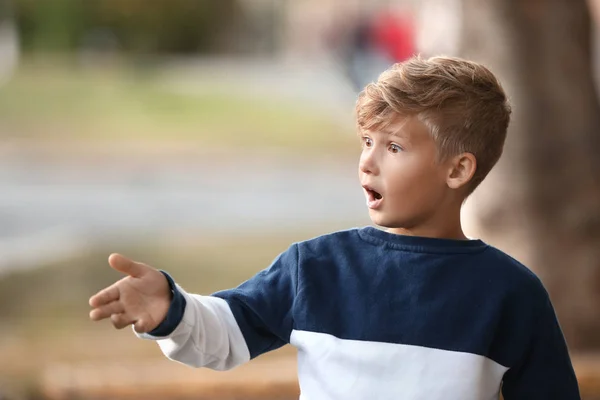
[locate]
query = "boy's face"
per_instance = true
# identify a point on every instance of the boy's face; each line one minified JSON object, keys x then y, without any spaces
{"x":404,"y":185}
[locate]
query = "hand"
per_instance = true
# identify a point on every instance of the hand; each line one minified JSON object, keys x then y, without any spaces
{"x":142,"y":298}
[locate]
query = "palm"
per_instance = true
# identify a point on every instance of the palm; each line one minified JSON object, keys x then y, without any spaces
{"x":142,"y":298}
{"x":145,"y":296}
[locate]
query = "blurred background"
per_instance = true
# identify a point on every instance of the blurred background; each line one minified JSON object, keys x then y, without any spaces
{"x":203,"y":137}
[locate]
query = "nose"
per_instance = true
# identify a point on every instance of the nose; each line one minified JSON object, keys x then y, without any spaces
{"x":368,"y":163}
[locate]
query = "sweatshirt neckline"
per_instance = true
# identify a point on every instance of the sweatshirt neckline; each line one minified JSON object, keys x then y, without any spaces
{"x":420,"y":244}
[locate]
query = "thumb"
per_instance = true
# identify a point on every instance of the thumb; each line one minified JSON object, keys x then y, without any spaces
{"x":127,"y":266}
{"x":141,"y":326}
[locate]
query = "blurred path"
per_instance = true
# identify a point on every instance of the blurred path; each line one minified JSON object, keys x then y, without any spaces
{"x":263,"y":378}
{"x":52,"y":208}
{"x":319,"y":83}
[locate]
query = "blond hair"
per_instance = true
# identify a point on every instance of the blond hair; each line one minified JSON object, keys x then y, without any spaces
{"x":460,"y":101}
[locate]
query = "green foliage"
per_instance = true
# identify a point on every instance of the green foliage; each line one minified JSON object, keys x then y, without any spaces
{"x":50,"y":25}
{"x":137,"y":26}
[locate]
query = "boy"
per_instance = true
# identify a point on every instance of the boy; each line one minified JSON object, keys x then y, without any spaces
{"x":417,"y":311}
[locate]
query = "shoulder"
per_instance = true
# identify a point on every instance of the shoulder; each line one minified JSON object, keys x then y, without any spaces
{"x":342,"y":247}
{"x":325,"y":244}
{"x":519,"y":280}
{"x":329,"y":248}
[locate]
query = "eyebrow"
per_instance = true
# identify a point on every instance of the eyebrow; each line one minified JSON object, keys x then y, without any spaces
{"x":399,"y":133}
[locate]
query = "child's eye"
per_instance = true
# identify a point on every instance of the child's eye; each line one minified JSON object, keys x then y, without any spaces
{"x":367,"y":142}
{"x":394,"y":148}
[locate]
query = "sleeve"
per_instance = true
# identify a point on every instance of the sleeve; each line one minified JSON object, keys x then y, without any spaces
{"x":263,"y":305}
{"x":202,"y":334}
{"x":546,"y":372}
{"x":230,"y":327}
{"x":175,"y":313}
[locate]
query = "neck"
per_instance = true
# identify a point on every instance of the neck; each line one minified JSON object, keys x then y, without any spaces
{"x":445,"y":224}
{"x":455,"y":233}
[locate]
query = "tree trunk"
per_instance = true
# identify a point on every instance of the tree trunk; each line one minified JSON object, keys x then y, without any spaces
{"x":542,"y":202}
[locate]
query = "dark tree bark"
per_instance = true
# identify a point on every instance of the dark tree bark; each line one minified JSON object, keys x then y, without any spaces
{"x":544,"y":197}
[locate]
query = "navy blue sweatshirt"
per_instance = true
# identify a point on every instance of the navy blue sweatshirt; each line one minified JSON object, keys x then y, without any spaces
{"x":384,"y":316}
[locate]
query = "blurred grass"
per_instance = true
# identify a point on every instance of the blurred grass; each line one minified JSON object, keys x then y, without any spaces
{"x":55,"y":295}
{"x":44,"y":312}
{"x":57,"y":98}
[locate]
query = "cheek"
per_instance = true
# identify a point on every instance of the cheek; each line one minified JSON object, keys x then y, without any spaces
{"x":414,"y":182}
{"x":406,"y":173}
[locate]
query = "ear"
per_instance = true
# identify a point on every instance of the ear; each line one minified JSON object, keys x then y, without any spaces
{"x":462,"y":169}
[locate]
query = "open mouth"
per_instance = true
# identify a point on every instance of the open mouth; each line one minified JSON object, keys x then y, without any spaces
{"x":373,"y":197}
{"x":376,"y":195}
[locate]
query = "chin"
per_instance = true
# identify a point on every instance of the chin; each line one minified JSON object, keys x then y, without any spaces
{"x":380,"y":220}
{"x":386,"y":221}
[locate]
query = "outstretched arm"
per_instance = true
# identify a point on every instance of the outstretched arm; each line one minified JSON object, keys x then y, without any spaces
{"x":196,"y":330}
{"x":219,"y":331}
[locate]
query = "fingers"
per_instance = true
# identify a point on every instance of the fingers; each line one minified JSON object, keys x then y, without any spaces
{"x":141,"y":326}
{"x":105,"y":311}
{"x":105,"y":296}
{"x":107,"y":304}
{"x":122,"y":320}
{"x":127,"y":266}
